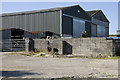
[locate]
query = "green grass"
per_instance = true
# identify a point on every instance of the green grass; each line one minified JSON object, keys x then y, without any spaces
{"x":64,"y":78}
{"x":30,"y":54}
{"x":19,"y":51}
{"x":115,"y":58}
{"x":11,"y":54}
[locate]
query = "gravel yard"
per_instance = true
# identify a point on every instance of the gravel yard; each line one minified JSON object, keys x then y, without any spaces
{"x":41,"y":67}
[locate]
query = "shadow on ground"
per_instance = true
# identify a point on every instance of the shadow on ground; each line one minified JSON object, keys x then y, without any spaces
{"x":17,"y":73}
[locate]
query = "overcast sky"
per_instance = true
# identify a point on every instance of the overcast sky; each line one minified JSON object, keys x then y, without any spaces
{"x":110,"y":9}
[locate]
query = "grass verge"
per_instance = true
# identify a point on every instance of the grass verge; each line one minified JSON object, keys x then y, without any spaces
{"x":114,"y":58}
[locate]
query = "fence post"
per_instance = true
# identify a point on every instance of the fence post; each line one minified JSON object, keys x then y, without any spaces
{"x":27,"y":45}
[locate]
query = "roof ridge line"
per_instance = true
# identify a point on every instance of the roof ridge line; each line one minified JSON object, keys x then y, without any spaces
{"x":37,"y":11}
{"x":95,"y":12}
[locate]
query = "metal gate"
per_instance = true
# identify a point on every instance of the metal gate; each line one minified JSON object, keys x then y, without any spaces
{"x":13,"y":45}
{"x":116,"y":43}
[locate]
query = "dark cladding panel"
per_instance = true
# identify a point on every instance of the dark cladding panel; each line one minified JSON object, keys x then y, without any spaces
{"x":88,"y":28}
{"x":100,"y":16}
{"x":107,"y":32}
{"x":77,"y":12}
{"x":67,"y":23}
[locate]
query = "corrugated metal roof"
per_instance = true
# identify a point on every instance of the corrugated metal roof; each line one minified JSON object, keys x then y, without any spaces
{"x":37,"y":11}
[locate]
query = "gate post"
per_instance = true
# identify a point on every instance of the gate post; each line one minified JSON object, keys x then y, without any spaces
{"x":27,"y":45}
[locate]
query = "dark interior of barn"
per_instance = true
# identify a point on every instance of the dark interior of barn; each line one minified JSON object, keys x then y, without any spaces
{"x":17,"y":34}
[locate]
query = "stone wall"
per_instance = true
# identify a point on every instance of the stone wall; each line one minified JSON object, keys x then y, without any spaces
{"x":77,"y":46}
{"x":43,"y":44}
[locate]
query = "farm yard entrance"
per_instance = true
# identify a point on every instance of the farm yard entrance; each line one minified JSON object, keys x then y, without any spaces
{"x":116,"y":44}
{"x":13,"y":45}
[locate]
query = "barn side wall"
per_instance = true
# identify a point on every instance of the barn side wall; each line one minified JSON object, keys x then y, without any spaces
{"x":42,"y":21}
{"x":67,"y":19}
{"x":101,"y":23}
{"x":78,"y":46}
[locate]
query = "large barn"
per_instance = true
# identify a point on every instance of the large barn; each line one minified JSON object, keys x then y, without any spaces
{"x":66,"y":22}
{"x":62,"y":22}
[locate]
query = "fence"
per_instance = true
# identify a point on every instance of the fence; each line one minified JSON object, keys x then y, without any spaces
{"x":116,"y":48}
{"x":12,"y":45}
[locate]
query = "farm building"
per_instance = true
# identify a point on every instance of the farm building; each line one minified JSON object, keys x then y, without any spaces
{"x":99,"y":25}
{"x":61,"y":22}
{"x":66,"y":22}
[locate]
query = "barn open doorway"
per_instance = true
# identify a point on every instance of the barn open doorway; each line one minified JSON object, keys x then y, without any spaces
{"x":17,"y":33}
{"x":67,"y":48}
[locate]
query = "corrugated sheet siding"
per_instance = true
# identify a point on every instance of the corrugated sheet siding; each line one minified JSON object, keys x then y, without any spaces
{"x":45,"y":21}
{"x":67,"y":23}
